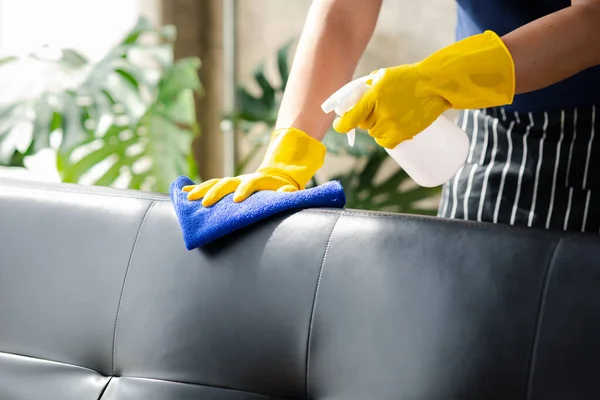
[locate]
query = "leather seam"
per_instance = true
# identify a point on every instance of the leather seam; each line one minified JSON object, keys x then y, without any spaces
{"x":314,"y":304}
{"x":8,"y":353}
{"x":483,"y":226}
{"x":80,"y":367}
{"x":135,"y":242}
{"x":104,"y":388}
{"x":539,"y":317}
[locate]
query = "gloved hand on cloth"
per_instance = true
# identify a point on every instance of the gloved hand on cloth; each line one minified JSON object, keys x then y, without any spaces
{"x":230,"y":204}
{"x":292,"y":159}
{"x":476,"y":72}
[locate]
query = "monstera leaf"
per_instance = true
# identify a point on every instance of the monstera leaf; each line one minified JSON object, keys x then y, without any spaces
{"x":130,"y":116}
{"x":152,"y":152}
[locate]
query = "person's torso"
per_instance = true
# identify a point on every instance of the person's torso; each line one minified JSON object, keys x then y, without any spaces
{"x":503,"y":16}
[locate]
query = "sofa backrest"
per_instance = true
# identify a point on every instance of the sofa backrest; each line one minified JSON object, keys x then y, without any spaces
{"x":100,"y":300}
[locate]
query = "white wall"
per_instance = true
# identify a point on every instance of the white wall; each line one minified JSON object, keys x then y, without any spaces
{"x":91,"y":26}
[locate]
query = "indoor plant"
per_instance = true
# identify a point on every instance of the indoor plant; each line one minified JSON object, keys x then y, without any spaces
{"x":130,"y":115}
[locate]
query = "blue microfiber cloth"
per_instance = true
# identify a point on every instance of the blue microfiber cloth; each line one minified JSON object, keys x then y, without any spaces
{"x":201,"y":225}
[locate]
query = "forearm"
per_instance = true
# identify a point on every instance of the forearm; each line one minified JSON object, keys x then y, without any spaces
{"x":333,"y":39}
{"x":555,"y":47}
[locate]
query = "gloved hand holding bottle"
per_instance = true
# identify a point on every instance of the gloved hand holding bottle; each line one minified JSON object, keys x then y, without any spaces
{"x":475,"y":72}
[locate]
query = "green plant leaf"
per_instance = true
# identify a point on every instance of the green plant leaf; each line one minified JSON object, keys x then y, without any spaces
{"x":282,"y":64}
{"x":168,"y":148}
{"x":253,"y":109}
{"x":142,"y":25}
{"x":268,"y":91}
{"x":181,"y":110}
{"x":137,"y":180}
{"x":10,"y":115}
{"x":111,"y":175}
{"x":72,"y":59}
{"x":17,"y":159}
{"x":162,"y":54}
{"x":7,"y":60}
{"x":72,"y":119}
{"x":364,"y":145}
{"x":366,"y":177}
{"x":391,"y":184}
{"x":419,"y":193}
{"x":7,"y":148}
{"x":168,"y":32}
{"x":181,"y":76}
{"x":193,"y":173}
{"x":128,"y":77}
{"x":42,"y":126}
{"x":262,"y":108}
{"x":72,"y":172}
{"x":56,"y":121}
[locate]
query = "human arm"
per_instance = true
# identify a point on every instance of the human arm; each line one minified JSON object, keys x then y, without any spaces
{"x":556,"y":46}
{"x":333,"y":39}
{"x":479,"y":71}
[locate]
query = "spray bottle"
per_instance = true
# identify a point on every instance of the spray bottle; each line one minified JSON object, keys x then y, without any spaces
{"x":430,"y":158}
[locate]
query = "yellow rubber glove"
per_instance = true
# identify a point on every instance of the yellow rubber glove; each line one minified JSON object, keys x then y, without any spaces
{"x":475,"y":72}
{"x":292,"y":159}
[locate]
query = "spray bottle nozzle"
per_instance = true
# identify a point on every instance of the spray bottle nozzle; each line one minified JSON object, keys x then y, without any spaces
{"x":345,"y":98}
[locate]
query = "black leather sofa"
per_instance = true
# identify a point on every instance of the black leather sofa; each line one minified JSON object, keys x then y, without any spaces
{"x":100,"y":300}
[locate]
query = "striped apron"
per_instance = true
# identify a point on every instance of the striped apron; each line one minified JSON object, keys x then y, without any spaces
{"x":539,"y":170}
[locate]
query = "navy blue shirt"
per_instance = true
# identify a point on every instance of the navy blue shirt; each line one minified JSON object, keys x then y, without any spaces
{"x":503,"y":16}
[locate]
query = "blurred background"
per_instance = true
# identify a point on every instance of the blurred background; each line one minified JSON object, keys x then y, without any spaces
{"x":133,"y":93}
